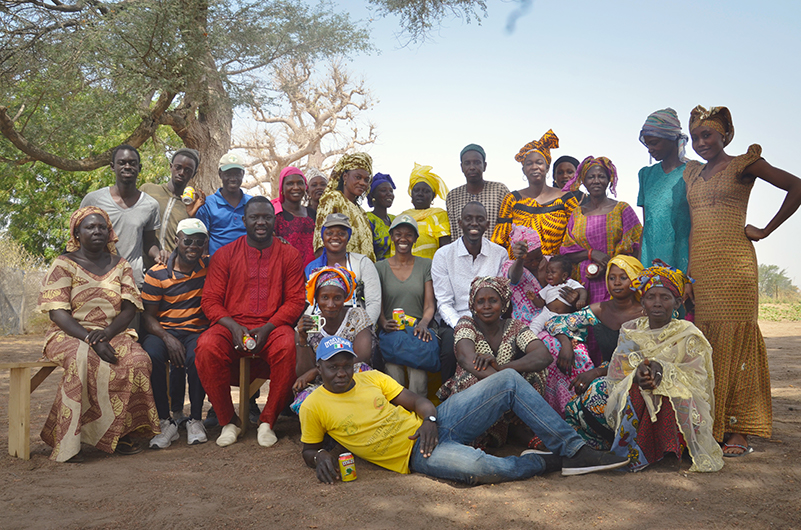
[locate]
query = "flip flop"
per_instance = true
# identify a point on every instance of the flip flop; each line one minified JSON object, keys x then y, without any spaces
{"x":126,"y":446}
{"x":747,"y":450}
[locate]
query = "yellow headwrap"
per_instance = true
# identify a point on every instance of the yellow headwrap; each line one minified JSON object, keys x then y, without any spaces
{"x":630,"y":265}
{"x":543,"y":146}
{"x":717,"y":118}
{"x":424,"y":174}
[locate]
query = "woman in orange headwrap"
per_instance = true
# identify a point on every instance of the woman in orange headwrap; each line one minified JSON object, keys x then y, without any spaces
{"x":91,"y":297}
{"x":725,"y":292}
{"x":538,"y":207}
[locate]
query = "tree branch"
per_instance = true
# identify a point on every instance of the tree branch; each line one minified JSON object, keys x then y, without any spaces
{"x":144,"y":131}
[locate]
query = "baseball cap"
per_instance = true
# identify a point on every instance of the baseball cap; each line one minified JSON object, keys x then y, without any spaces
{"x":404,"y":219}
{"x":333,"y":345}
{"x":231,"y":161}
{"x":192,"y":226}
{"x":336,"y":219}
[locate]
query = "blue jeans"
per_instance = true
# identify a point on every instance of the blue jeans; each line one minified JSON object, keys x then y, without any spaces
{"x":157,"y":351}
{"x":468,"y":414}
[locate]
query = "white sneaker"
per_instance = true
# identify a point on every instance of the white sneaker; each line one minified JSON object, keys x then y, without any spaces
{"x":169,"y":433}
{"x":195,"y":432}
{"x":229,"y":435}
{"x":266,"y":437}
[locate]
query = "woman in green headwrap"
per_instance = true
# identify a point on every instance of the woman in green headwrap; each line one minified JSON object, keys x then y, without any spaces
{"x":432,"y":223}
{"x":350,"y":181}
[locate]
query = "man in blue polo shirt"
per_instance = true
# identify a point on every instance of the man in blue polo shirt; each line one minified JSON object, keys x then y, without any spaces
{"x":223,"y":211}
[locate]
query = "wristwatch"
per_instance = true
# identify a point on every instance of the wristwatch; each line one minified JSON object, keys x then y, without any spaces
{"x":432,"y":419}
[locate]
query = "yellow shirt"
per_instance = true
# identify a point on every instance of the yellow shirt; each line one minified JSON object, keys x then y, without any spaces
{"x":432,"y":224}
{"x":363,"y":420}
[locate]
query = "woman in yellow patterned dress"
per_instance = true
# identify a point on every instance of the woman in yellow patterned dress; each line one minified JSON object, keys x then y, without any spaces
{"x":538,"y":207}
{"x":726,"y":274}
{"x":91,"y":297}
{"x":432,"y":223}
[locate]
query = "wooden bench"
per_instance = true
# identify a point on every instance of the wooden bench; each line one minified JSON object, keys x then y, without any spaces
{"x":21,"y":386}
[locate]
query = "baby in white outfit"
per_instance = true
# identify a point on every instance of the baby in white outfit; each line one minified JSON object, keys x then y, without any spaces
{"x":550,"y":298}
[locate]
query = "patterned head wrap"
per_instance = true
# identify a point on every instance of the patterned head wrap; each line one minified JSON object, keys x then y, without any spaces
{"x":660,"y":274}
{"x":717,"y":118}
{"x":312,"y":172}
{"x":378,"y":179}
{"x":499,"y":284}
{"x":424,"y":174}
{"x":336,"y":276}
{"x":543,"y":146}
{"x":584,"y":168}
{"x":75,"y":221}
{"x":347,"y":163}
{"x":289,"y":170}
{"x":629,"y":264}
{"x":665,"y":124}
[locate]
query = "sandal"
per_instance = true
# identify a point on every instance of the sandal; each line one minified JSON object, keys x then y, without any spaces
{"x":747,"y":450}
{"x":126,"y":446}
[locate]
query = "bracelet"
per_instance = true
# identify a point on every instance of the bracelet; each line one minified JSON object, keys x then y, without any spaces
{"x":302,"y":345}
{"x":589,"y":254}
{"x":317,"y":453}
{"x":86,"y":337}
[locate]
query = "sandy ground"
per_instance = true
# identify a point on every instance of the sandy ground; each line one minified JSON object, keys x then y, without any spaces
{"x":246,"y":485}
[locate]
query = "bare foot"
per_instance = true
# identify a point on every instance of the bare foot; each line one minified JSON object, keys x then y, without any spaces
{"x":735,"y":439}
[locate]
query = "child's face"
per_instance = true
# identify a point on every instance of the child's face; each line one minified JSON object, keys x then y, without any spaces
{"x":555,"y":275}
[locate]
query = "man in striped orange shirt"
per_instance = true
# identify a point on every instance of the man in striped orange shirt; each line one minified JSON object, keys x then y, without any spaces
{"x":174,"y":320}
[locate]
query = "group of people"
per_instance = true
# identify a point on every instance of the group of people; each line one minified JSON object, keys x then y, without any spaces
{"x":550,"y":315}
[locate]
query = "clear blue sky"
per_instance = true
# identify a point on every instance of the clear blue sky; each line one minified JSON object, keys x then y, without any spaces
{"x":592,"y":71}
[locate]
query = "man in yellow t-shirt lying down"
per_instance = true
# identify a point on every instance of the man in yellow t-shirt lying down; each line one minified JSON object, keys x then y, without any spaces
{"x":376,"y":419}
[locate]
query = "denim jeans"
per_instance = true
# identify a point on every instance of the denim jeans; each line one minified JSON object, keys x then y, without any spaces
{"x":468,"y":414}
{"x":157,"y":351}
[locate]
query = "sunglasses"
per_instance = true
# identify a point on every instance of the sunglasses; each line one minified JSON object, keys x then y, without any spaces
{"x":198,"y":242}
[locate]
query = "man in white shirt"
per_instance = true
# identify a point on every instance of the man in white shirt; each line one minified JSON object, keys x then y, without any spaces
{"x":453,"y":268}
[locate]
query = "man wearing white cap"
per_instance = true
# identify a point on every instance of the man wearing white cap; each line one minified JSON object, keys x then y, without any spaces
{"x":223,"y":211}
{"x":174,"y":320}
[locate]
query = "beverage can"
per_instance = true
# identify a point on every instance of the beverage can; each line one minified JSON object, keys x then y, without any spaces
{"x":347,"y":467}
{"x":188,"y":196}
{"x":248,"y":342}
{"x":399,"y":316}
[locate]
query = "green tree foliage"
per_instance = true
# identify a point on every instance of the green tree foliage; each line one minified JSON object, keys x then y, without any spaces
{"x":78,"y":77}
{"x":775,"y":284}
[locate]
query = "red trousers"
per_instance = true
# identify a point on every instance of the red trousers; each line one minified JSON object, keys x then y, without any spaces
{"x":217,"y":361}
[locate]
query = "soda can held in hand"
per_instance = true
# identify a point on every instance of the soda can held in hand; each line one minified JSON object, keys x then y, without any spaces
{"x":248,"y":342}
{"x":347,"y":467}
{"x":399,"y":316}
{"x":188,"y":196}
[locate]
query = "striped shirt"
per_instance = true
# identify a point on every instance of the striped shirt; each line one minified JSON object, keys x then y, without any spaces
{"x":177,"y":295}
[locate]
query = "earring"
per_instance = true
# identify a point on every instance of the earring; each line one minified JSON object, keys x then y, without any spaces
{"x":675,"y":313}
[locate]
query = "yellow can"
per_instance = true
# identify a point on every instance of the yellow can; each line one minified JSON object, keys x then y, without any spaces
{"x":347,"y":467}
{"x":399,"y":316}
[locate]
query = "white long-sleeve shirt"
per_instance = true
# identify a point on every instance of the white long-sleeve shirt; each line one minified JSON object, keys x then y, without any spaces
{"x":452,"y":270}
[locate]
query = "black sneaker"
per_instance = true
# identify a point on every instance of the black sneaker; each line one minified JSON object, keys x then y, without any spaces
{"x":552,"y":462}
{"x":211,"y":420}
{"x":588,"y":460}
{"x":254,"y":411}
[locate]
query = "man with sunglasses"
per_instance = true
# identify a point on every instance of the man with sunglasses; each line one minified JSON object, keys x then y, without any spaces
{"x":174,"y":320}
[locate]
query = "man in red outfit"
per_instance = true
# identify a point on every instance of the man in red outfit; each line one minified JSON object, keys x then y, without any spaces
{"x":255,"y":286}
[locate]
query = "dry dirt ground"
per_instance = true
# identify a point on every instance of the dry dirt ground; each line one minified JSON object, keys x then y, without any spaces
{"x":246,"y":485}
